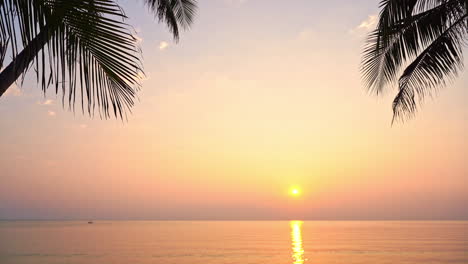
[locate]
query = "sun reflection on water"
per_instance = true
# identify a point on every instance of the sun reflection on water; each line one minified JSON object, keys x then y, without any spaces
{"x":296,"y":237}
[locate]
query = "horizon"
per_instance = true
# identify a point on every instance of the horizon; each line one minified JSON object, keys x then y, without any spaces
{"x":233,"y":220}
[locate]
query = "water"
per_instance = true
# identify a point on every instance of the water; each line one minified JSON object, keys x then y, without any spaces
{"x":260,"y":242}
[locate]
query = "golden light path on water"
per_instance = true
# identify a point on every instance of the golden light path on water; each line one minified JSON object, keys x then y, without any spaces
{"x":296,"y":237}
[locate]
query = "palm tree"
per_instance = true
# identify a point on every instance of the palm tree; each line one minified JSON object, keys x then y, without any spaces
{"x":81,"y":47}
{"x":426,"y":36}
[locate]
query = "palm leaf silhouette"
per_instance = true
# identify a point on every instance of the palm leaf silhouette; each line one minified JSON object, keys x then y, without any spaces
{"x":426,"y":37}
{"x":82,"y":48}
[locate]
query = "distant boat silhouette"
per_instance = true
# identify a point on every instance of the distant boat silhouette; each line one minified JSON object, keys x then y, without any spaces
{"x":90,"y":222}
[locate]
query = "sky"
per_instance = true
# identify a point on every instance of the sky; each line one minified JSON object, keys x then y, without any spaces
{"x":257,"y":98}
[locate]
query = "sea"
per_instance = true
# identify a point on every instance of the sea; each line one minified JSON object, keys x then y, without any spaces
{"x":233,"y":242}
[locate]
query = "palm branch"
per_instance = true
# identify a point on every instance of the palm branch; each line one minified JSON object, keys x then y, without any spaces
{"x":80,"y":47}
{"x":423,"y":41}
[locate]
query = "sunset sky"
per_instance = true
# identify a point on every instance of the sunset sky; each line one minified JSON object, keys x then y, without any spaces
{"x":257,"y":98}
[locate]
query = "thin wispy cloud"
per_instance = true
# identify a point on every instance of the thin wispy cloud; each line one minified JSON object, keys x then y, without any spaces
{"x":83,"y":126}
{"x":138,"y":39}
{"x":143,"y":76}
{"x":305,"y":34}
{"x":235,"y":1}
{"x":366,"y":25}
{"x":136,"y":35}
{"x":163,"y":45}
{"x":14,"y":90}
{"x":369,"y":23}
{"x":46,"y":102}
{"x":51,"y":113}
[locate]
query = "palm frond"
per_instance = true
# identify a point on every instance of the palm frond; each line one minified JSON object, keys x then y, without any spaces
{"x":175,"y":13}
{"x":440,"y":61}
{"x":388,"y":47}
{"x":427,"y":34}
{"x":83,"y":48}
{"x":89,"y":50}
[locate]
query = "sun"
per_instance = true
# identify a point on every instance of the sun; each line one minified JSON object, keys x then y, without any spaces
{"x":295,"y":191}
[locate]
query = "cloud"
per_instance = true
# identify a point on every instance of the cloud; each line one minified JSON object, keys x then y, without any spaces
{"x":163,"y":45}
{"x":305,"y":34}
{"x":46,"y":102}
{"x":135,"y":35}
{"x":236,"y":1}
{"x":366,"y":25}
{"x":143,"y":76}
{"x":369,"y":23}
{"x":138,"y":39}
{"x":14,"y":90}
{"x":83,"y":126}
{"x":51,"y":113}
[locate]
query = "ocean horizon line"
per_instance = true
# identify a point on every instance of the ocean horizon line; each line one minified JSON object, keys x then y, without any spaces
{"x":230,"y":220}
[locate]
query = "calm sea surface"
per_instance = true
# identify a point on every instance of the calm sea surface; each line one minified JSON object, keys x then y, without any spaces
{"x":282,"y":242}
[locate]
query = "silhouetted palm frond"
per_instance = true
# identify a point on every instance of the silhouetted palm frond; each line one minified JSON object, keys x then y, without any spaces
{"x":80,"y":47}
{"x":427,"y":34}
{"x":175,"y":13}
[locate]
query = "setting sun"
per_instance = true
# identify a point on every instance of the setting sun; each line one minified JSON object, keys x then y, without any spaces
{"x":233,"y":131}
{"x":295,"y":192}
